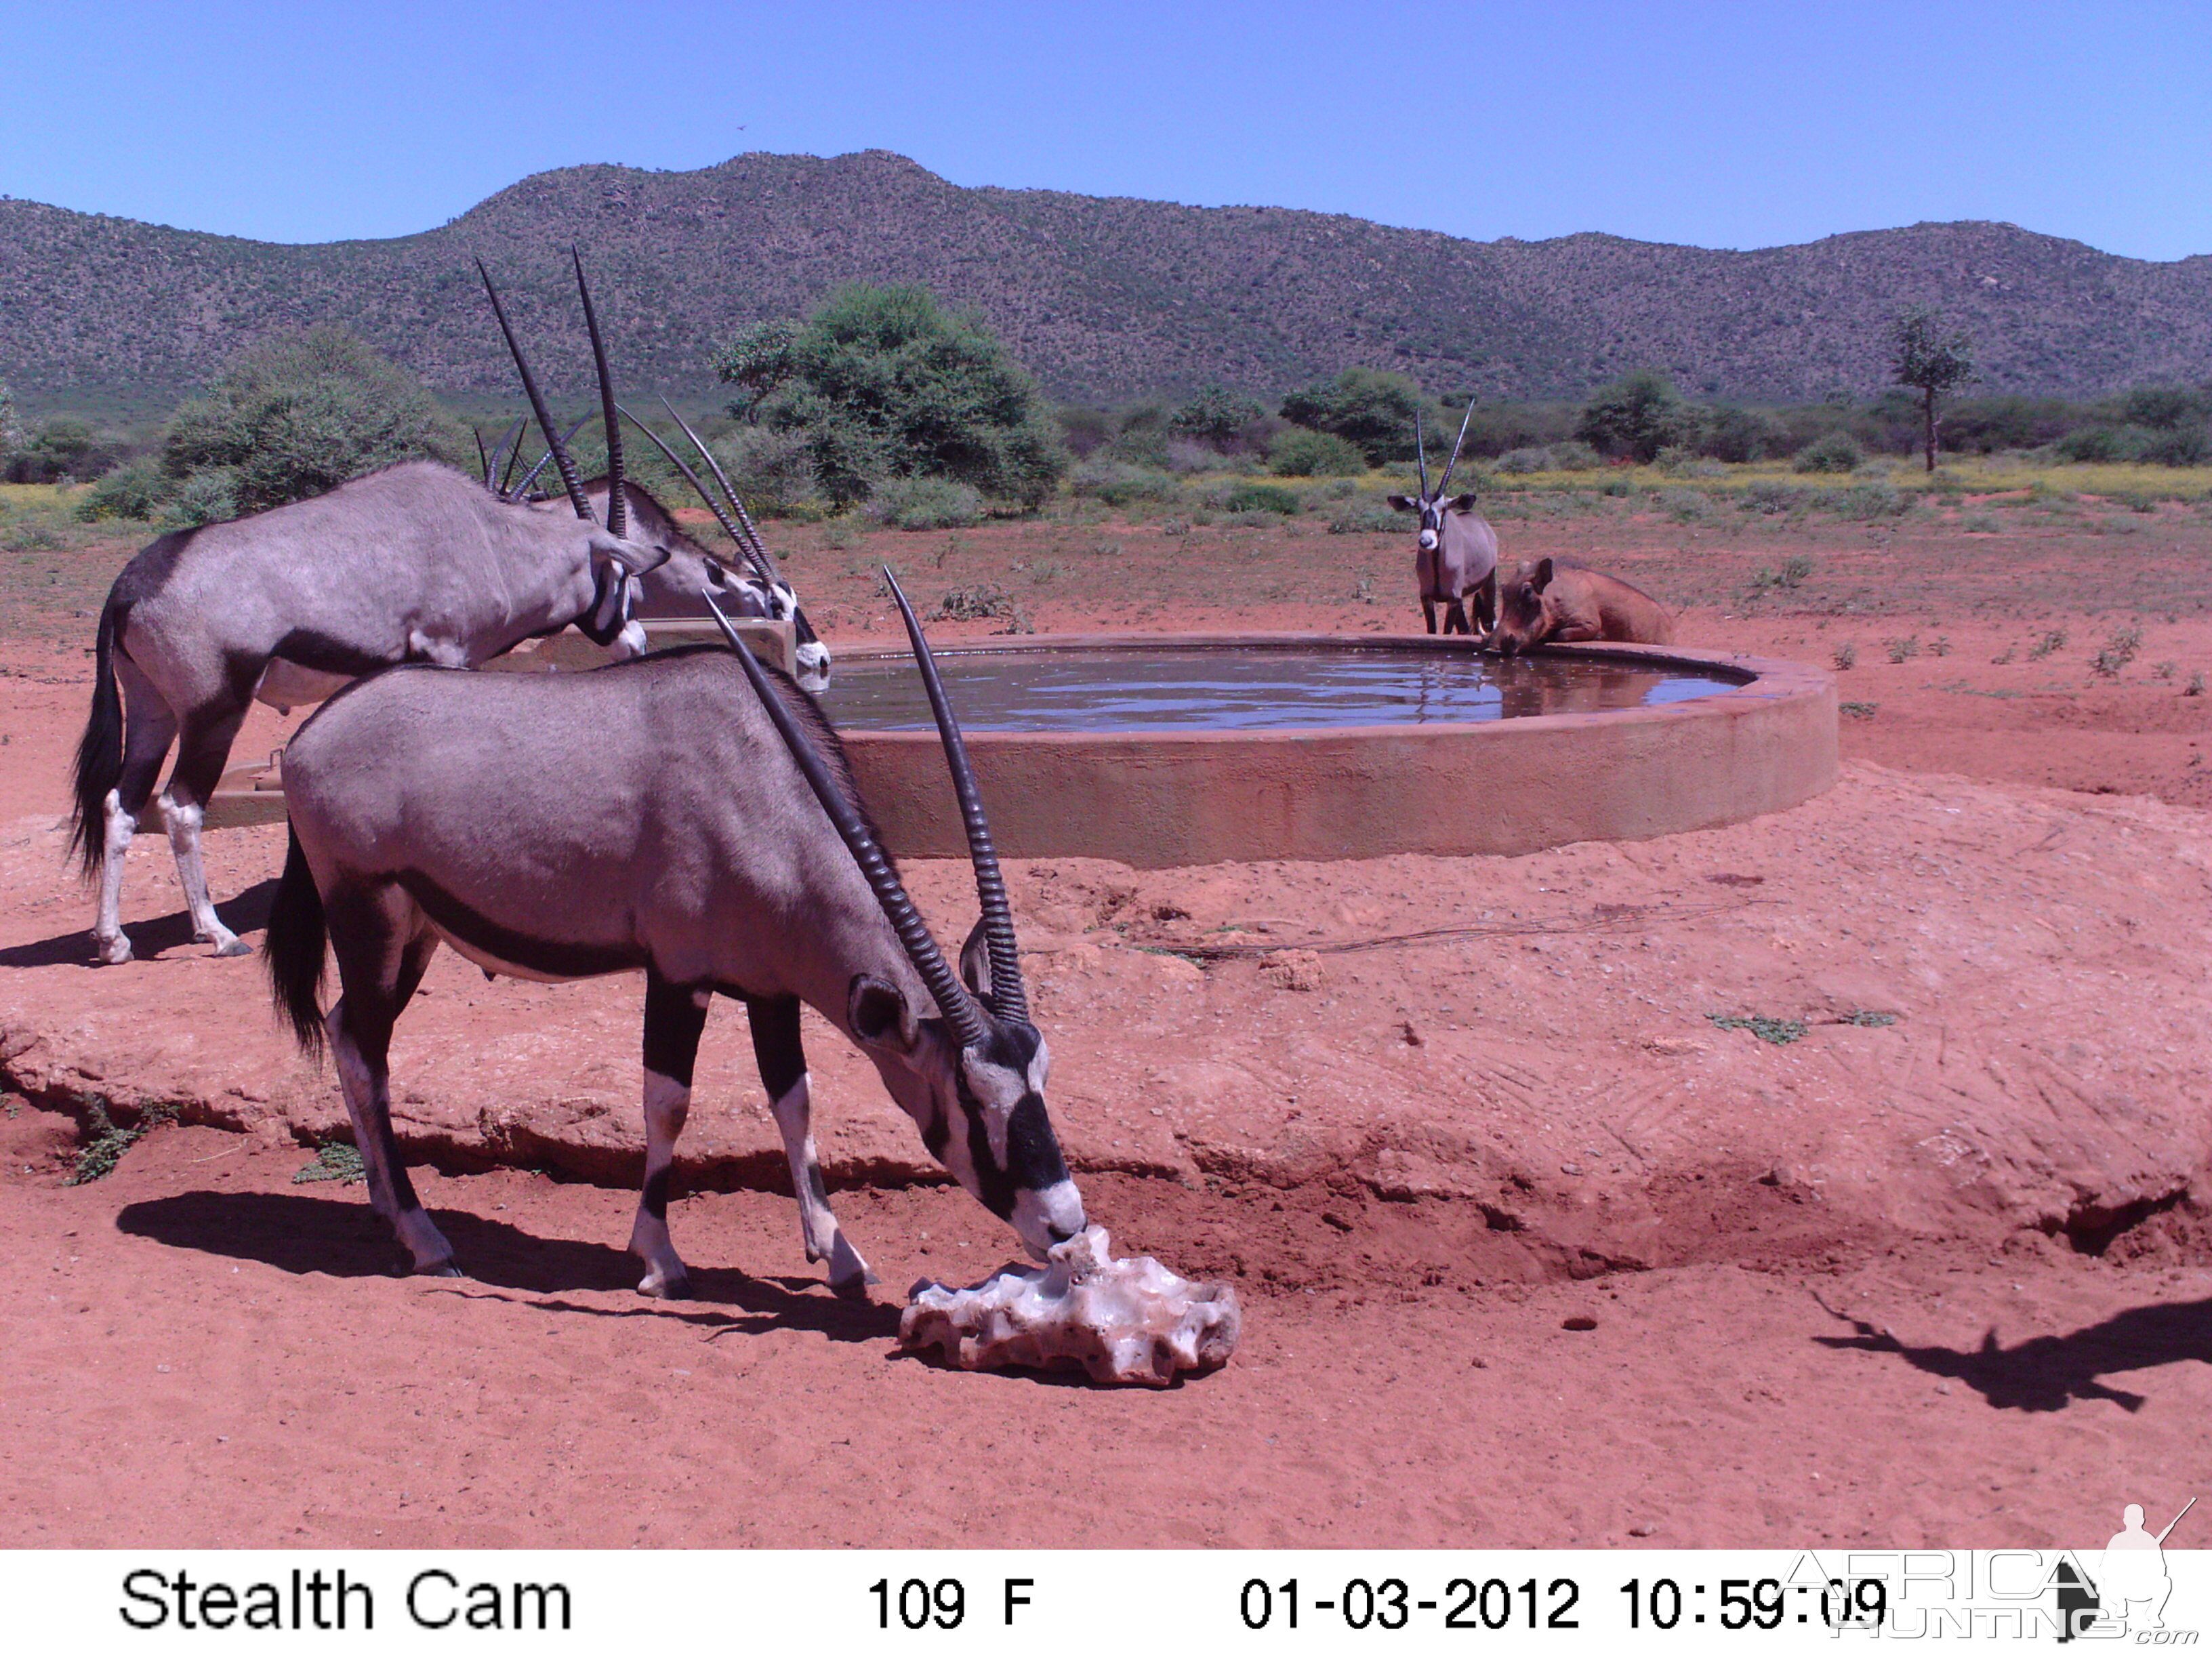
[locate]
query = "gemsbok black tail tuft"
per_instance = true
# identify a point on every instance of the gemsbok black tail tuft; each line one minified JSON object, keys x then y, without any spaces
{"x":99,"y":754}
{"x":295,"y":950}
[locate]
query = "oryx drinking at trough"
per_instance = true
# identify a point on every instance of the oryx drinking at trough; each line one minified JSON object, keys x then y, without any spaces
{"x":1456,"y":551}
{"x":661,"y":815}
{"x":416,"y":563}
{"x":767,"y":594}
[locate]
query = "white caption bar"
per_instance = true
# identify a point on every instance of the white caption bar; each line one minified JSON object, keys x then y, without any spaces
{"x":991,"y":1602}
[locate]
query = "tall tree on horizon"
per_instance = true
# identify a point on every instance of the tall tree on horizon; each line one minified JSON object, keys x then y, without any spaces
{"x":1923,"y":356}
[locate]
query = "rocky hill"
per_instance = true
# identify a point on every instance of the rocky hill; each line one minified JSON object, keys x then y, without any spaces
{"x":1102,"y":297}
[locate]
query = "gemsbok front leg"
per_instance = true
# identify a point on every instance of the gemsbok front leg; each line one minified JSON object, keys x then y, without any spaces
{"x":783,"y":1073}
{"x":675,"y":1015}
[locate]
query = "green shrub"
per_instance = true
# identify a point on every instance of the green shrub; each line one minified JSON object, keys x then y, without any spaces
{"x":1873,"y":498}
{"x":300,"y":414}
{"x":2164,"y":408}
{"x":1371,"y":408}
{"x":2103,"y":442}
{"x":888,"y":385}
{"x":926,"y":504}
{"x":759,"y":359}
{"x":772,"y":471}
{"x":63,"y":450}
{"x":1636,"y":415}
{"x":333,"y":1161}
{"x":208,"y":496}
{"x":1524,"y":460}
{"x":2184,"y":446}
{"x":1298,"y":452}
{"x":1117,"y":483}
{"x":1767,"y":1028}
{"x":1214,"y":416}
{"x":1771,"y":495}
{"x":139,"y":491}
{"x":1368,"y":515}
{"x":1731,"y":433}
{"x":2119,"y":652}
{"x":1838,"y":451}
{"x":1262,"y":498}
{"x":1573,"y":455}
{"x":977,"y":603}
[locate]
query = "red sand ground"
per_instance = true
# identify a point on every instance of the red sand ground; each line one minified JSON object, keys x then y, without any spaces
{"x":1831,"y":1345}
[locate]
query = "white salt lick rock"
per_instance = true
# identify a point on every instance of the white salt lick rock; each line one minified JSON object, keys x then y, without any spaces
{"x":1123,"y":1321}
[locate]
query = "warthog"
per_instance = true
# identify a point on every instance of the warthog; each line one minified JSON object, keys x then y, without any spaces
{"x":1550,"y":600}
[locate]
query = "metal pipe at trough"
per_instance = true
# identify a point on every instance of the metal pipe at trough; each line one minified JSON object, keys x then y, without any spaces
{"x":1155,"y":799}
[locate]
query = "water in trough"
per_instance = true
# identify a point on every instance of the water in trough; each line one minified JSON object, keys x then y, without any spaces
{"x":1248,"y":687}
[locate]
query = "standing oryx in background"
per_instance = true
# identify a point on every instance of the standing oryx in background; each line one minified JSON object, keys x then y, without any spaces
{"x":1458,"y":550}
{"x":414,"y":563}
{"x":662,"y":815}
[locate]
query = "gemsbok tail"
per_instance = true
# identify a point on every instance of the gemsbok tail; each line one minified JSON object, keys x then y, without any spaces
{"x":99,"y":754}
{"x":295,"y":949}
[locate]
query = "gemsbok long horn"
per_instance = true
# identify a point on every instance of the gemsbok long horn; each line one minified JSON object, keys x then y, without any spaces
{"x":509,"y":452}
{"x":617,"y":515}
{"x":960,"y":1010}
{"x":763,"y":563}
{"x":1444,"y":484}
{"x":729,"y":526}
{"x":553,"y":446}
{"x":1421,"y":453}
{"x":1008,"y":1000}
{"x":530,"y":477}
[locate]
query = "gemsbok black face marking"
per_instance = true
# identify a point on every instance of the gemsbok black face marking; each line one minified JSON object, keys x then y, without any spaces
{"x":1455,"y":550}
{"x":416,"y":563}
{"x":705,"y":829}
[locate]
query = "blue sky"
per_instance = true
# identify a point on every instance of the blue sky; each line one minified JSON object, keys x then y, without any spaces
{"x":1723,"y":125}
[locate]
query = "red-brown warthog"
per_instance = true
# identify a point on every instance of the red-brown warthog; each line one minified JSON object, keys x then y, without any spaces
{"x":1552,"y":600}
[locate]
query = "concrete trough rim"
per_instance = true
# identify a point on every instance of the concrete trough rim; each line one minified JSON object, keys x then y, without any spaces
{"x":1765,"y":744}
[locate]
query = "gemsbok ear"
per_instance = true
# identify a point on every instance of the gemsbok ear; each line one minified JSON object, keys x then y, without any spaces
{"x":879,"y":1015}
{"x":1542,"y":579}
{"x":1403,"y":504}
{"x":1463,"y":503}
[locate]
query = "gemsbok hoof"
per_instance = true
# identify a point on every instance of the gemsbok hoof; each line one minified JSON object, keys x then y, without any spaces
{"x":237,"y":947}
{"x":113,"y":952}
{"x":677,"y":1287}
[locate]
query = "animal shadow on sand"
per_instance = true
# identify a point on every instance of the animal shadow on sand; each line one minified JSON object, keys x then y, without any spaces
{"x":247,"y":913}
{"x":298,"y":1234}
{"x":2048,"y":1373}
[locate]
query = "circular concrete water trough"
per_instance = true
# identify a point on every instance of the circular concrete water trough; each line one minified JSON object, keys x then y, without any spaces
{"x":1760,"y":739}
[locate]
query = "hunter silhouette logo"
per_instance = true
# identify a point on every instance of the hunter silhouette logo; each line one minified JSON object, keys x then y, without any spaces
{"x":2129,"y":1586}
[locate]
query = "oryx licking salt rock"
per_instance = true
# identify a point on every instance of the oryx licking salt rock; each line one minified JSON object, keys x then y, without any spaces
{"x":1550,"y":600}
{"x":1455,"y":550}
{"x":689,"y":816}
{"x":1129,"y":1321}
